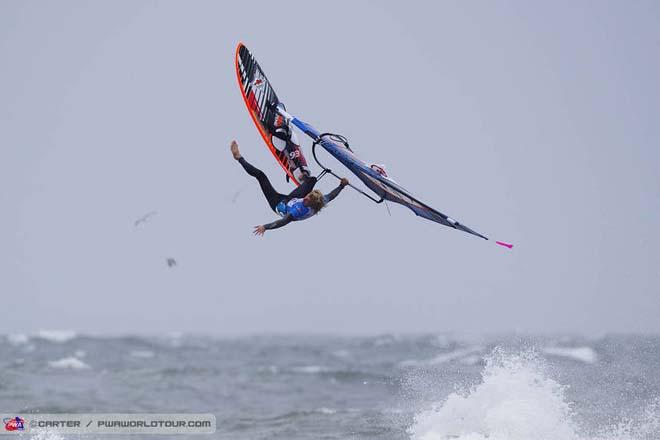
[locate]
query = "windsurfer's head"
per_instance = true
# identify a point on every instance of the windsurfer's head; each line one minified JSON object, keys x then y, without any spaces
{"x":315,"y":200}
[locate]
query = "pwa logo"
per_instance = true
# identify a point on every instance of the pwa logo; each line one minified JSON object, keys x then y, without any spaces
{"x":14,"y":424}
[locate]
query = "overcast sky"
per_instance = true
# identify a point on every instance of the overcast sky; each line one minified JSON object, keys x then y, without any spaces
{"x":531,"y":122}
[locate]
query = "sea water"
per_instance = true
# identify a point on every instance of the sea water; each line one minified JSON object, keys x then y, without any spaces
{"x":421,"y":387}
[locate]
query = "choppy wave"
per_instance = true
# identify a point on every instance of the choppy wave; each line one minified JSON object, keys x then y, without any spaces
{"x":310,"y":369}
{"x":72,"y":363}
{"x":468,"y":355}
{"x":143,"y":354}
{"x":46,"y":434}
{"x":58,"y":336}
{"x":333,"y":373}
{"x":297,"y":414}
{"x":307,"y":383}
{"x":342,"y":353}
{"x":384,"y":340}
{"x":18,"y":339}
{"x":583,"y":354}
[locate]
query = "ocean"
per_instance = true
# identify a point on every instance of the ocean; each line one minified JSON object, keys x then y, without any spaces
{"x":420,"y":387}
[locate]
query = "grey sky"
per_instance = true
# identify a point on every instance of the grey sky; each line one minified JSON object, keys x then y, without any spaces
{"x":532,"y":122}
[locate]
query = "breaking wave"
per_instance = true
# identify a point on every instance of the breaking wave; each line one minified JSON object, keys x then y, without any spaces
{"x":517,"y":399}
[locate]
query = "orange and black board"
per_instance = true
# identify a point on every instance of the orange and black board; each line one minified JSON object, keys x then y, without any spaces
{"x":261,"y":101}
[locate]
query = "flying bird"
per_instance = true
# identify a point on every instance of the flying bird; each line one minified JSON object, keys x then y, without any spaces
{"x":144,"y":218}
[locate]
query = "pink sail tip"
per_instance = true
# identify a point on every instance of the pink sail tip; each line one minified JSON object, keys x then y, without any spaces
{"x":501,"y":243}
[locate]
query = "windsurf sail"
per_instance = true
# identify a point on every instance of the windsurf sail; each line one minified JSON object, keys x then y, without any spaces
{"x":266,"y":108}
{"x":375,"y":180}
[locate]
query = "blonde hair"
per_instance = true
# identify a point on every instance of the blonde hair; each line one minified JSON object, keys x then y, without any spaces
{"x":315,"y":200}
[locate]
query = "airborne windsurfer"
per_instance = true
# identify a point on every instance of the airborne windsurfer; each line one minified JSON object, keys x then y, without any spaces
{"x":272,"y":121}
{"x":301,"y":204}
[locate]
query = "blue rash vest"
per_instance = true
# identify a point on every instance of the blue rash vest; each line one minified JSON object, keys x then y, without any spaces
{"x":295,"y":208}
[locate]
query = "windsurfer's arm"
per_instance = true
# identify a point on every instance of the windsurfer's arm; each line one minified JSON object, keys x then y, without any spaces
{"x":259,"y":230}
{"x":335,"y":192}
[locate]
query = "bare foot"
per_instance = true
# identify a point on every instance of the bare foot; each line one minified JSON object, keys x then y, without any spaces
{"x":234,"y":150}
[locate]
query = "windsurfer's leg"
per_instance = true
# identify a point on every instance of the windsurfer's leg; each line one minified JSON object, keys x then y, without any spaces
{"x":305,"y":187}
{"x":272,"y":196}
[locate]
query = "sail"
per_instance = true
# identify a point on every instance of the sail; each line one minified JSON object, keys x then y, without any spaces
{"x":379,"y":183}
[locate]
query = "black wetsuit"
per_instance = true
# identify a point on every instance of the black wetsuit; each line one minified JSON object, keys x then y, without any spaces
{"x":274,"y":198}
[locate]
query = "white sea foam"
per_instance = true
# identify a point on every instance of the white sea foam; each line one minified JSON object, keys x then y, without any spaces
{"x":515,"y":400}
{"x":582,"y":354}
{"x":58,"y":336}
{"x":310,"y":369}
{"x":143,"y":354}
{"x":72,"y":363}
{"x":645,"y":426}
{"x":443,"y":358}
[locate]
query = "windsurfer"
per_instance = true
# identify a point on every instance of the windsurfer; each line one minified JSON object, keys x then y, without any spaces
{"x":300,"y":204}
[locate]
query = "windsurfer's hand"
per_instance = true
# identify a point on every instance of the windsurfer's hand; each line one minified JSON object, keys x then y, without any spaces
{"x":343,"y":182}
{"x":259,"y":230}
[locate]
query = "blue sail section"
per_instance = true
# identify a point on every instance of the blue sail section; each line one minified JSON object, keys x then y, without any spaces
{"x":379,"y":184}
